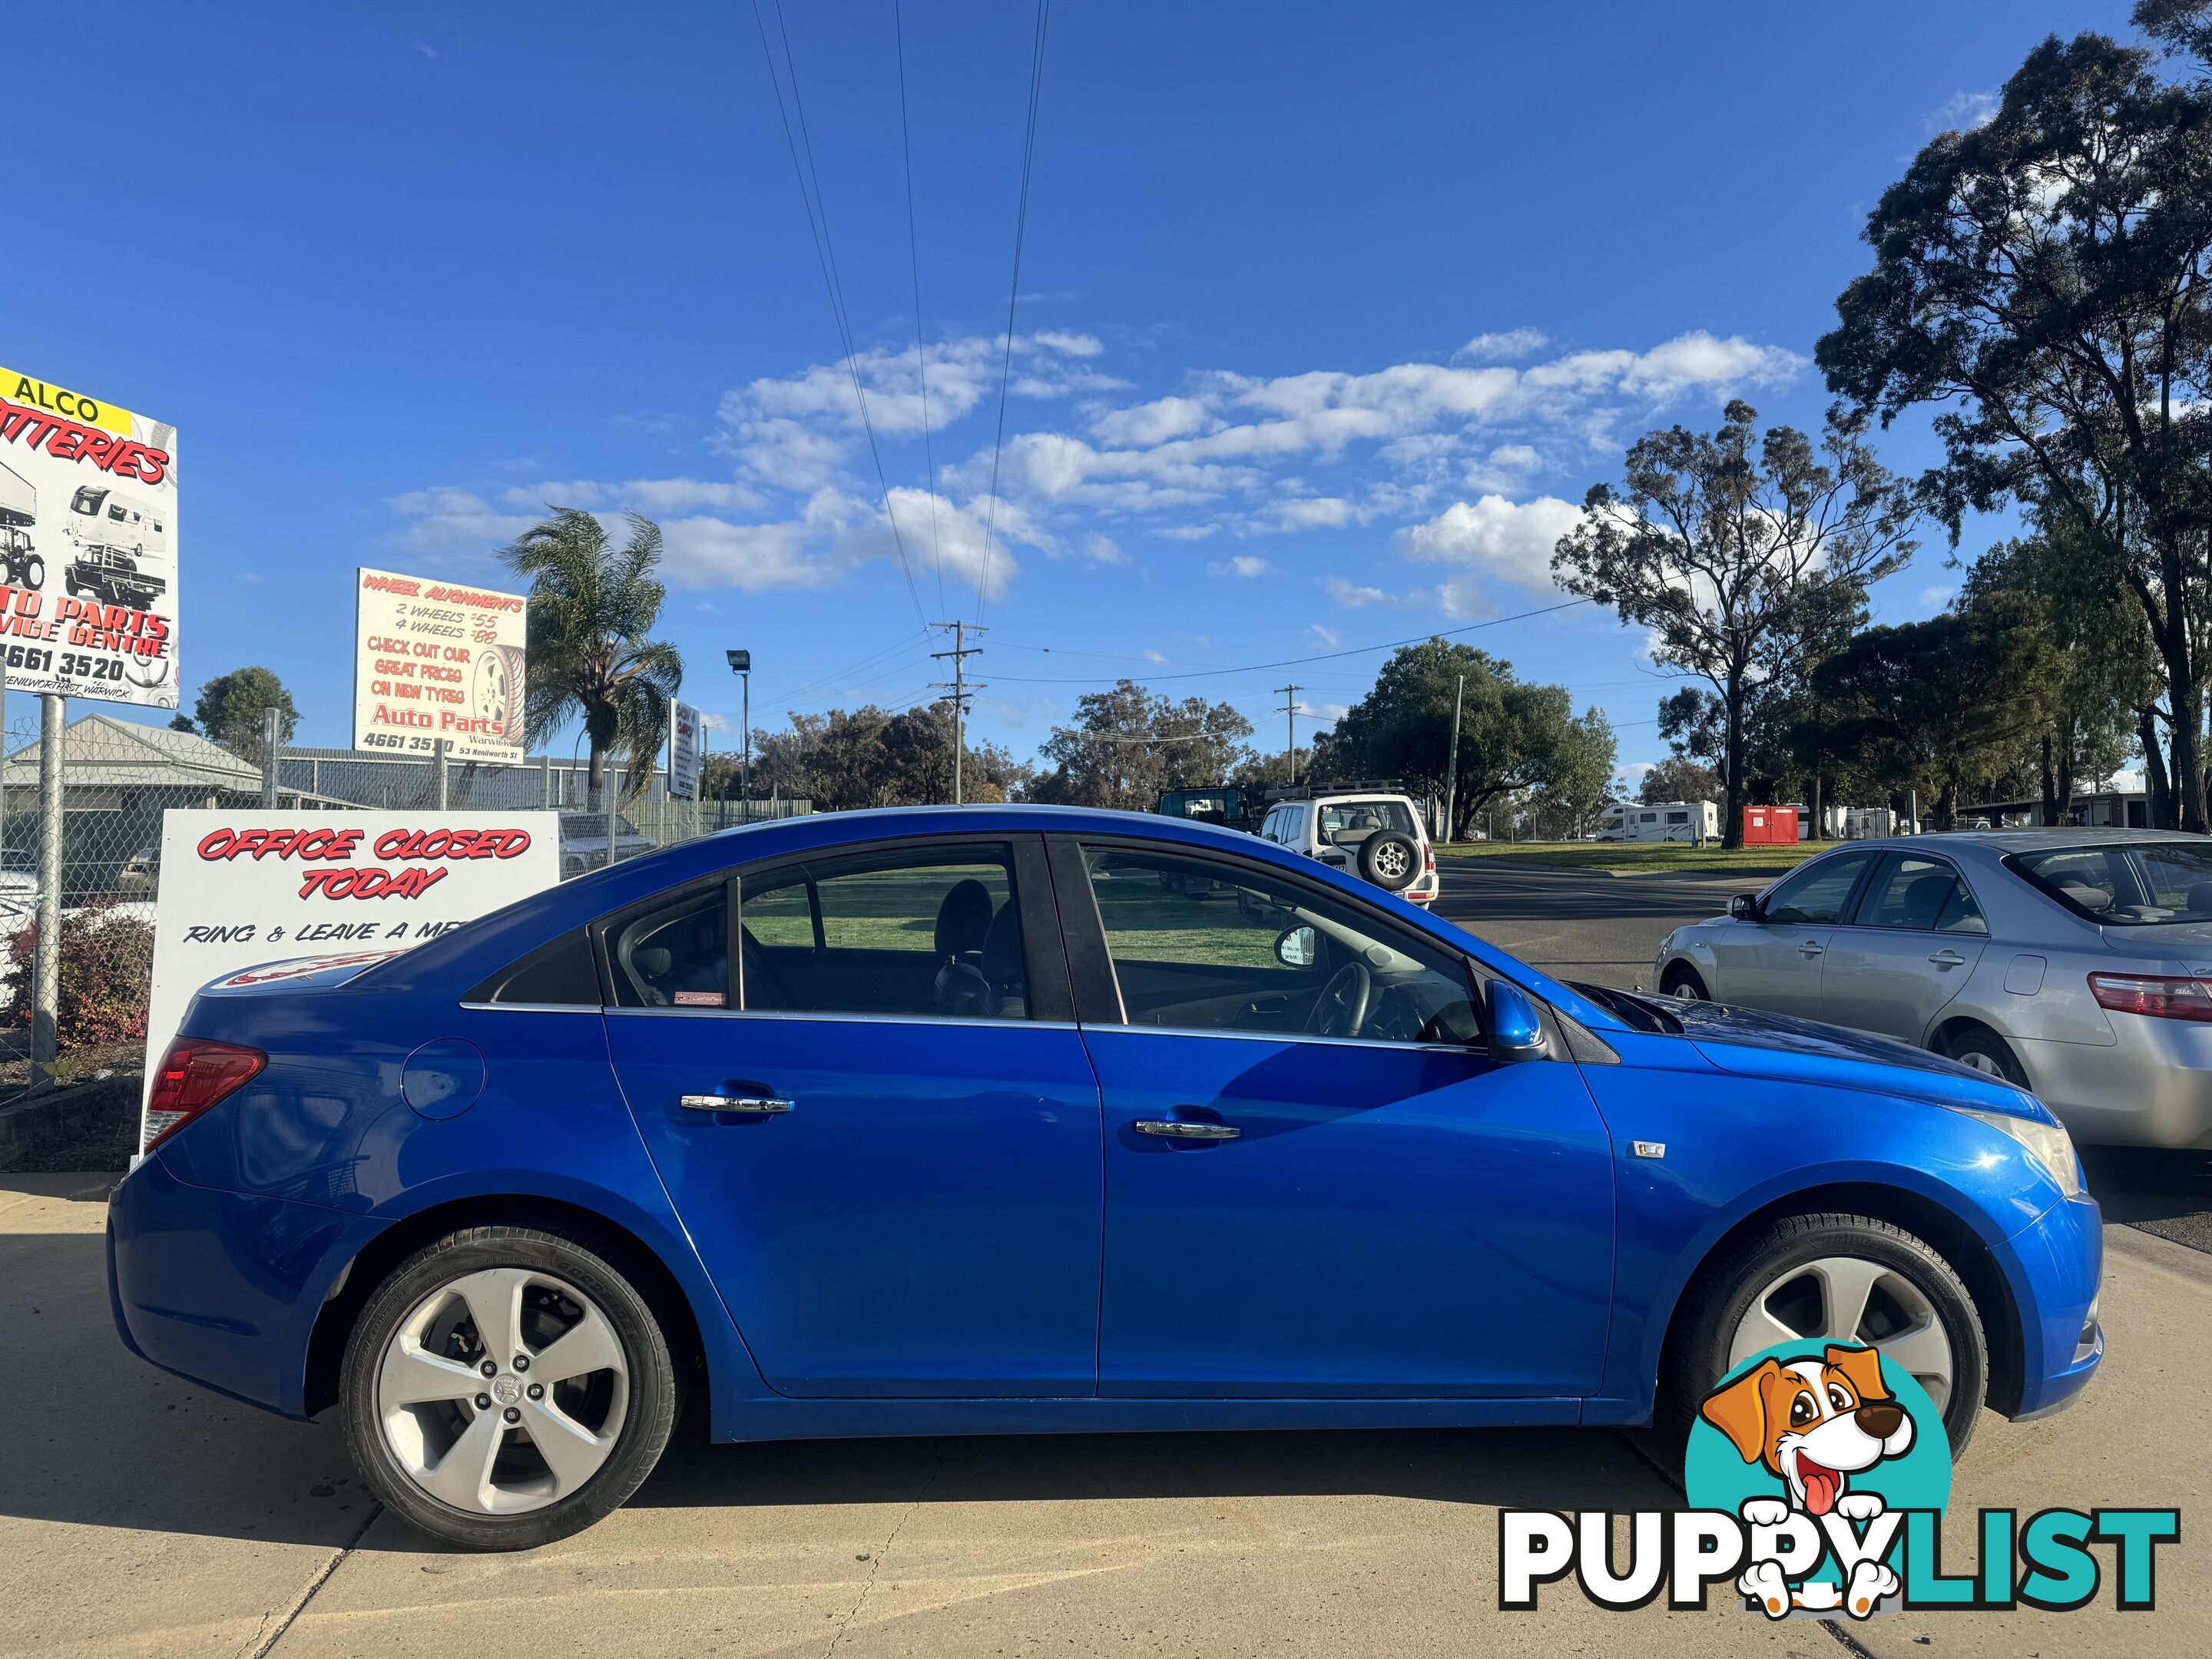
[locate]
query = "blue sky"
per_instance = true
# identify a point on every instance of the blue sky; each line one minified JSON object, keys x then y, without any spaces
{"x":1326,"y":314}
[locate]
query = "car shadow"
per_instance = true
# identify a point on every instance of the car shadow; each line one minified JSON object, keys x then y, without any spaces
{"x":2160,"y":1191}
{"x":122,"y":1444}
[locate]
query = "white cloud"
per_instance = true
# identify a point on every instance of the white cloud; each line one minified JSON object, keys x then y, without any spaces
{"x":1503,"y":538}
{"x":1103,"y":550}
{"x":1354,"y":596}
{"x":444,"y":519}
{"x":1151,"y":423}
{"x":1323,"y":638}
{"x":1186,"y":533}
{"x":651,"y":496}
{"x":1963,"y":111}
{"x":1244,"y":566}
{"x":1155,"y":656}
{"x":1504,"y":348}
{"x":1936,"y":597}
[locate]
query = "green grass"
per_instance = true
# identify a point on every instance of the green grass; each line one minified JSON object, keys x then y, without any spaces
{"x":1675,"y":858}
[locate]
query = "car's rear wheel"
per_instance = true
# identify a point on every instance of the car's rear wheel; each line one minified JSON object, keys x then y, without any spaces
{"x":1836,"y":1278}
{"x":506,"y":1387}
{"x":1680,"y":980}
{"x":1986,"y":1052}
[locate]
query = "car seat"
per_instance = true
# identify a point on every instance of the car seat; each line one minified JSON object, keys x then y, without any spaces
{"x":963,"y":923}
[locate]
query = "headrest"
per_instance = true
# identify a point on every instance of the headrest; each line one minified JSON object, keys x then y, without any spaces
{"x":964,"y":918}
{"x":1002,"y":947}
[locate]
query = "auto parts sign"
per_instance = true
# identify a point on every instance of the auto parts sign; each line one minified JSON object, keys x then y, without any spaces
{"x":87,"y":546}
{"x":438,"y":659}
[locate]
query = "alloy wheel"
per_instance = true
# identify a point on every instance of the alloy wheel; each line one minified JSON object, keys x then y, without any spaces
{"x":1392,"y":862}
{"x":1844,"y":1298}
{"x":502,"y":1391}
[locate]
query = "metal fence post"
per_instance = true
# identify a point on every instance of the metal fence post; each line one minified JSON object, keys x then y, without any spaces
{"x":545,"y":780}
{"x":438,"y":762}
{"x":269,"y":730}
{"x":46,"y":960}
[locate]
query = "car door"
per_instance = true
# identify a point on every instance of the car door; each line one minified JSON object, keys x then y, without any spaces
{"x":1318,"y":1184}
{"x":1772,"y":961}
{"x":882,"y":1129}
{"x":1910,"y":945}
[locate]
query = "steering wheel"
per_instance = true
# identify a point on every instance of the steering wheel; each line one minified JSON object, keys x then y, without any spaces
{"x":1341,"y":1008}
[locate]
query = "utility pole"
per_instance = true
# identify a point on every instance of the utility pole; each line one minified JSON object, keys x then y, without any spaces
{"x":1451,"y":762}
{"x":1290,"y":695}
{"x":959,"y":687}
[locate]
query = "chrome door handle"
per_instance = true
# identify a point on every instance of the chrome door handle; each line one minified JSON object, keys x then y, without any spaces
{"x":1145,"y":1126}
{"x":1947,"y":958}
{"x":761,"y":1103}
{"x":1811,"y":948}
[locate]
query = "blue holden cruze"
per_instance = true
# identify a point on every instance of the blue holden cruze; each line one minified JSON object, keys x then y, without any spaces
{"x":1015,"y":1119}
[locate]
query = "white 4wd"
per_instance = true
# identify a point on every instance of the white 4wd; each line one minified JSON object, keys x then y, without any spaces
{"x":1379,"y":838}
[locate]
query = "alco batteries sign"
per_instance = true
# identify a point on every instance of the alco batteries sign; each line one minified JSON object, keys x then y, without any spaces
{"x":87,"y":546}
{"x":437,"y":659}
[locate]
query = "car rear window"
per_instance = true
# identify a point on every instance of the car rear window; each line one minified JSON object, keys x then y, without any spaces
{"x":1347,"y":823}
{"x":2126,"y":884}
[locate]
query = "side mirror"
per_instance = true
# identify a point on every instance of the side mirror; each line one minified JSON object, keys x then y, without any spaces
{"x":1516,"y":1032}
{"x":1744,"y":907}
{"x":1298,"y":947}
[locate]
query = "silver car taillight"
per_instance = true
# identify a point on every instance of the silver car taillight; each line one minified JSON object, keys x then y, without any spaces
{"x":2159,"y":996}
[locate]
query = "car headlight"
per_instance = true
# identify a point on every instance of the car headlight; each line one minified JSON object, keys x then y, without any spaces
{"x":2047,"y":1144}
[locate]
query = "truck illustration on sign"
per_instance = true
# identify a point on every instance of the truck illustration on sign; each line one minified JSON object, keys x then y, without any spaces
{"x":20,"y":563}
{"x":116,"y":537}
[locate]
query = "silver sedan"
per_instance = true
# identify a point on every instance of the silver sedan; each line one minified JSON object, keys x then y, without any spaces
{"x":2074,"y":962}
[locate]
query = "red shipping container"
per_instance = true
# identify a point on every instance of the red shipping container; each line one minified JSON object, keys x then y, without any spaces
{"x":1770,"y":826}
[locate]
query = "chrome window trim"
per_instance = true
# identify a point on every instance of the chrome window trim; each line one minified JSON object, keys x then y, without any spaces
{"x":842,"y":1018}
{"x":532,"y":1007}
{"x":1294,"y":1036}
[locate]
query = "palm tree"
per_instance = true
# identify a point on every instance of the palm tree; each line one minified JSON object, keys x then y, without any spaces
{"x":592,"y":606}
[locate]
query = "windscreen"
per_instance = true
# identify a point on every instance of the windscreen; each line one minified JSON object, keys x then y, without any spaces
{"x":2131,"y":884}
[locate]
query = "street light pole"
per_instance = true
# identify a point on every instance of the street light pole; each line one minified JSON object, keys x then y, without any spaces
{"x":741,"y":664}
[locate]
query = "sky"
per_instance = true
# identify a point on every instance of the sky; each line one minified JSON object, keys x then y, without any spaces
{"x":1326,"y":317}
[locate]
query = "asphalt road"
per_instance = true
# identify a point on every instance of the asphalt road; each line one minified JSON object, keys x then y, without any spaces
{"x":1576,"y":924}
{"x":1579,"y":924}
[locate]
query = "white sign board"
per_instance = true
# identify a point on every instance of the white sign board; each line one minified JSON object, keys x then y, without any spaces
{"x":437,"y":659}
{"x":240,"y":890}
{"x":87,"y":546}
{"x":685,"y":731}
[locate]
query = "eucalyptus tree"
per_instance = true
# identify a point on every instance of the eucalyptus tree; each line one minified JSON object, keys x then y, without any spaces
{"x":2040,"y":284}
{"x":1739,"y":552}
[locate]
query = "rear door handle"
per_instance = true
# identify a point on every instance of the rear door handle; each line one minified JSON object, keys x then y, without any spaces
{"x":758,"y":1103}
{"x":1947,"y":958}
{"x":1145,"y":1126}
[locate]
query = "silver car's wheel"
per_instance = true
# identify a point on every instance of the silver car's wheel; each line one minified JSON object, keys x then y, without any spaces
{"x":502,"y":1391}
{"x":1841,"y":1298}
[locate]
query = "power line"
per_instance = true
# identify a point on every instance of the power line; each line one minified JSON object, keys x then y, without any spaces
{"x":1007,"y":364}
{"x":921,"y":351}
{"x":1294,"y":662}
{"x":825,"y":256}
{"x":793,"y":693}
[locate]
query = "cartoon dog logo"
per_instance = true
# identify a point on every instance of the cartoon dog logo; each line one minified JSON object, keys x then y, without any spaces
{"x":1813,"y":1424}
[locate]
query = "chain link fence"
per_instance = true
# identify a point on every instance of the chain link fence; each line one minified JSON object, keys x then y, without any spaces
{"x":117,"y":778}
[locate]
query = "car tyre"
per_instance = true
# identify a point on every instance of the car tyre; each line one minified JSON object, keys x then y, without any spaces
{"x":542,"y":1262}
{"x":1915,"y":1291}
{"x":1680,"y":980}
{"x":1391,"y":860}
{"x":1987,"y":1053}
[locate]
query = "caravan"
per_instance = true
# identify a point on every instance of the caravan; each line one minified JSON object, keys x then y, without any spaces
{"x":1694,"y":821}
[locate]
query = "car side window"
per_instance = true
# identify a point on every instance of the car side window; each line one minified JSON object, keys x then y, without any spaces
{"x":914,"y":931}
{"x":1815,"y":896}
{"x":1923,"y":894}
{"x":1201,"y":944}
{"x":674,"y":953}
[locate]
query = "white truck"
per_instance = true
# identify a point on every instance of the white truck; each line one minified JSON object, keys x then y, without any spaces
{"x":20,"y":563}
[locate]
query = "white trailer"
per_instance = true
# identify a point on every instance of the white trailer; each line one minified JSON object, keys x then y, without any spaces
{"x":1695,"y":821}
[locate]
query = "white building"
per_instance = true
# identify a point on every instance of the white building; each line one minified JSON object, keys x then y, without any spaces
{"x":1664,"y":820}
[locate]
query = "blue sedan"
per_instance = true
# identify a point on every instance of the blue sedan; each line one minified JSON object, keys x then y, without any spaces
{"x":1019,"y":1120}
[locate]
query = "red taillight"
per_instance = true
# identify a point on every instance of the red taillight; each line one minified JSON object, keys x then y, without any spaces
{"x":1429,"y":862}
{"x":195,"y":1074}
{"x":2158,"y":996}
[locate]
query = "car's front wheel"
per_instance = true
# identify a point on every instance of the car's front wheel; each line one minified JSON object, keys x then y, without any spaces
{"x":1681,"y":980}
{"x":506,"y":1387}
{"x":1840,"y":1278}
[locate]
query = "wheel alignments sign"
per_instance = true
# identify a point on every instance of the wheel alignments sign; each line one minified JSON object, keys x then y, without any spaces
{"x":438,"y":660}
{"x":87,"y":546}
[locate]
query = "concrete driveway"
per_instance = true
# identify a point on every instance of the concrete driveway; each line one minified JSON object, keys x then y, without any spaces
{"x":141,"y":1515}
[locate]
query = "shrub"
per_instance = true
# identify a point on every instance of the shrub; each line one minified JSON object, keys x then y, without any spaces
{"x":106,"y":976}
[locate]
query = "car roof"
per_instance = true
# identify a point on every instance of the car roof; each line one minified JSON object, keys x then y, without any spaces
{"x":2023,"y":840}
